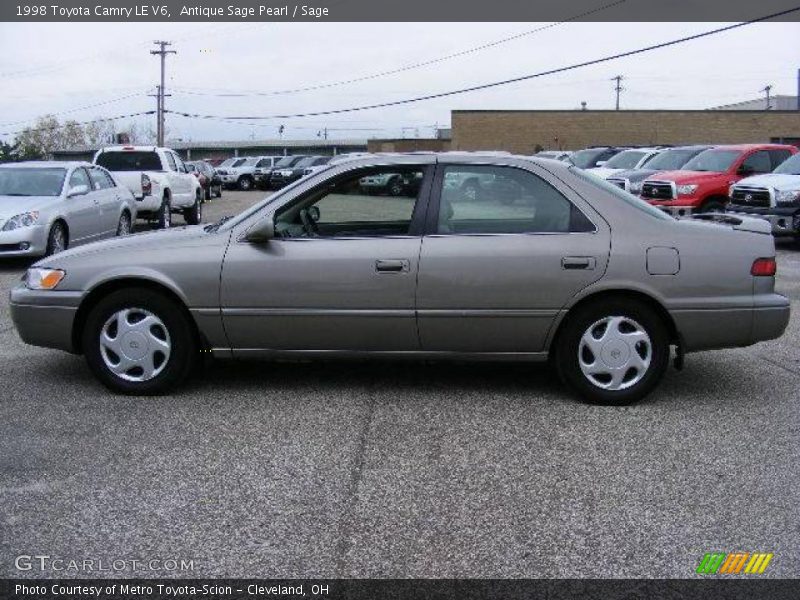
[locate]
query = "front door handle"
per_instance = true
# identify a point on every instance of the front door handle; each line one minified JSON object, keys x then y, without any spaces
{"x":391,"y":266}
{"x":587,"y":263}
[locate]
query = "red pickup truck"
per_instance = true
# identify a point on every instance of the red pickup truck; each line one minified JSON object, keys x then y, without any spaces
{"x":702,"y":184}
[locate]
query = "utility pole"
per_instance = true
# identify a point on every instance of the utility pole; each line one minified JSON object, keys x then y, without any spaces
{"x":767,"y":89}
{"x":618,"y":88}
{"x":162,"y":52}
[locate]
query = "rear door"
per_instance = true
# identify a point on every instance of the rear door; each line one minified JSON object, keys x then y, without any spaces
{"x":108,"y":200}
{"x":496,"y":267}
{"x":83,"y":210}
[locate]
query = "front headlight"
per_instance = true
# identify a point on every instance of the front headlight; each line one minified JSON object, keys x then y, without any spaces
{"x":635,"y":187}
{"x":787,"y":197}
{"x":688,"y":189}
{"x":43,"y":279}
{"x":21,"y":220}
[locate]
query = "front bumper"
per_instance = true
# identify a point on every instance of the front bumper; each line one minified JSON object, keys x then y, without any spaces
{"x":45,"y":318}
{"x":783,"y":221}
{"x":25,"y":241}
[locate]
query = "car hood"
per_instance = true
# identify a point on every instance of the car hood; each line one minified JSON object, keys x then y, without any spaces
{"x":634,"y":174}
{"x":124,"y":248}
{"x":688,"y":176}
{"x":603,"y":171}
{"x":779,"y":181}
{"x":14,"y":205}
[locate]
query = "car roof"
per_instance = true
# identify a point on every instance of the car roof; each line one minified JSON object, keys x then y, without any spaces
{"x":745,"y":147}
{"x":38,"y":164}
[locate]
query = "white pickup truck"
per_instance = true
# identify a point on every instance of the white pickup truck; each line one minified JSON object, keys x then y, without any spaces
{"x":159,"y":181}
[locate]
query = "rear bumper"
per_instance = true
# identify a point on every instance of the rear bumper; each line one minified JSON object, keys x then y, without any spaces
{"x":783,"y":222}
{"x":712,"y":329}
{"x":45,"y":318}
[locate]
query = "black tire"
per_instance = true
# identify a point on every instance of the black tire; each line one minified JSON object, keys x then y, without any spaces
{"x":207,"y":193}
{"x":245,"y":184}
{"x":164,"y":217}
{"x":219,"y":191}
{"x":568,"y":346}
{"x":125,"y":225}
{"x":194,"y":214}
{"x":184,"y":352}
{"x":57,"y":239}
{"x":713,"y":206}
{"x":395,"y":187}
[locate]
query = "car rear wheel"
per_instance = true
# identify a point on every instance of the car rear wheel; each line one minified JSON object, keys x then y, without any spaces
{"x":613,"y":352}
{"x":124,"y":225}
{"x":194,"y":214}
{"x":57,"y":240}
{"x":138,"y":341}
{"x":164,"y":219}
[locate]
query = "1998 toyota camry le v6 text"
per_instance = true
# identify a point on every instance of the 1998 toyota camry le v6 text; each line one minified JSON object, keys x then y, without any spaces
{"x":545,"y":262}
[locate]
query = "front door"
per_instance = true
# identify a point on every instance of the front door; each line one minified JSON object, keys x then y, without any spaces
{"x":83,"y":210}
{"x":506,"y":250}
{"x":339,"y":275}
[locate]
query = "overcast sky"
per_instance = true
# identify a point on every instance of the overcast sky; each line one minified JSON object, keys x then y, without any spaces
{"x":54,"y":68}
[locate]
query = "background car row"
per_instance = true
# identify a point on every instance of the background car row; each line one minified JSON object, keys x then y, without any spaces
{"x":759,"y":180}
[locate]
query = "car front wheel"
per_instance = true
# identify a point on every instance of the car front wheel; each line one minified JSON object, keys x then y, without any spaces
{"x":613,"y":352}
{"x":138,"y":341}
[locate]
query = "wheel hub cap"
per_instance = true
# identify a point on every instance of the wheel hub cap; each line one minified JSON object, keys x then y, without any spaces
{"x":615,"y":353}
{"x":135,"y":344}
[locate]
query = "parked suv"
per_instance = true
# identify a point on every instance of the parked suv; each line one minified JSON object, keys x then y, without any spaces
{"x":671,"y":159}
{"x":627,"y":159}
{"x":284,"y":164}
{"x":704,"y":182}
{"x":774,"y":197}
{"x":242,"y":174}
{"x":283,"y":177}
{"x":158,"y":179}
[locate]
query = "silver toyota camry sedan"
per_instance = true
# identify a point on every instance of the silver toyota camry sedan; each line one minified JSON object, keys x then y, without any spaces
{"x":47,"y":206}
{"x":487,"y":257}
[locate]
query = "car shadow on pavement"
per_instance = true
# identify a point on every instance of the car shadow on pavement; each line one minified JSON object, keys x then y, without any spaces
{"x":9,"y":265}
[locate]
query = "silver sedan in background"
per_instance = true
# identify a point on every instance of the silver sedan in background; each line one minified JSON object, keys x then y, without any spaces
{"x":548,"y":262}
{"x":47,"y":207}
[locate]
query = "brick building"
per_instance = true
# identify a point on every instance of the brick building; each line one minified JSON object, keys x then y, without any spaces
{"x":521,"y":131}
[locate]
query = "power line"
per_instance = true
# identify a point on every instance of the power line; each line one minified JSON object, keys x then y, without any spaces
{"x":425,"y":63}
{"x":502,"y":82}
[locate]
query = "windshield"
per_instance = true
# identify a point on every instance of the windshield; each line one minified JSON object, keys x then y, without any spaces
{"x":228,"y":162}
{"x":287,"y":161}
{"x":718,"y":161}
{"x":322,"y":160}
{"x":586,"y":158}
{"x":614,"y":190}
{"x":31,"y":182}
{"x":191,"y":167}
{"x":625,"y":160}
{"x":791,"y":166}
{"x":248,"y":162}
{"x":130,"y":160}
{"x":670,"y":160}
{"x":306,"y":162}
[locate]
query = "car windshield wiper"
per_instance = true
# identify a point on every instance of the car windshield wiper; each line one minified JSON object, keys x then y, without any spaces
{"x":218,"y":224}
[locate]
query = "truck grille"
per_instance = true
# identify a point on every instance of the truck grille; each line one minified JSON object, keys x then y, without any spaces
{"x":657,"y":190}
{"x":750,"y":196}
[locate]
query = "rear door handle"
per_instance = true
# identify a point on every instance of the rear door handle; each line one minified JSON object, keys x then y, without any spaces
{"x":391,"y":265}
{"x":578,"y":262}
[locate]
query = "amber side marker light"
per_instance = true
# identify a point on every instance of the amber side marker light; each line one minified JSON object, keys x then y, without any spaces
{"x":764,"y":267}
{"x":43,"y":279}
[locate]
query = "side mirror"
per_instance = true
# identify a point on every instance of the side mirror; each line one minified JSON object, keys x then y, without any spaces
{"x":261,"y":232}
{"x":78,"y":190}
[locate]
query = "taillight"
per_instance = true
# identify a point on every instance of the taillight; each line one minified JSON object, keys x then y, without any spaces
{"x":147,"y":185}
{"x":764,"y":267}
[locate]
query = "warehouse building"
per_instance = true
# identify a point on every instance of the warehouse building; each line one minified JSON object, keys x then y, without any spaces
{"x":526,"y":131}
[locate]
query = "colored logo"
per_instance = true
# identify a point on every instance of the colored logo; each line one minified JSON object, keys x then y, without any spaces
{"x":735,"y":563}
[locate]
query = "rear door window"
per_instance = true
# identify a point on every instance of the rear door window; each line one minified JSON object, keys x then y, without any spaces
{"x":130,"y":161}
{"x":778,"y":157}
{"x":758,"y":162}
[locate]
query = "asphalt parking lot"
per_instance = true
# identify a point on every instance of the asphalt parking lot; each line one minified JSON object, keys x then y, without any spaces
{"x":401,"y":470}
